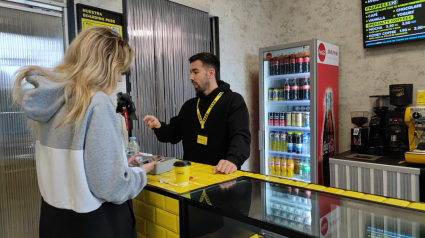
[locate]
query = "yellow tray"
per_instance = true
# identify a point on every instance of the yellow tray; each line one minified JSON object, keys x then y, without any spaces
{"x":316,"y":187}
{"x":285,"y":181}
{"x":396,"y":202}
{"x":373,"y":198}
{"x":414,"y":158}
{"x":417,"y":206}
{"x":352,"y":194}
{"x":333,"y":190}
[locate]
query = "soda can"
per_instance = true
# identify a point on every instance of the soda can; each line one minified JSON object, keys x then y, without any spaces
{"x":271,"y":94}
{"x":271,"y":118}
{"x":298,"y":119}
{"x":303,"y":119}
{"x":297,"y":108}
{"x":280,"y":94}
{"x":288,"y":118}
{"x":294,"y":118}
{"x":276,"y":119}
{"x":282,"y":119}
{"x":275,"y":94}
{"x":307,"y":119}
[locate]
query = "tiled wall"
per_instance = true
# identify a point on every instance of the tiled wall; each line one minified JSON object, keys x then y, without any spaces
{"x":157,"y":216}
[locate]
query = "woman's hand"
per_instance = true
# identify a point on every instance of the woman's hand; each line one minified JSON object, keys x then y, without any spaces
{"x":148,"y":167}
{"x":132,"y":159}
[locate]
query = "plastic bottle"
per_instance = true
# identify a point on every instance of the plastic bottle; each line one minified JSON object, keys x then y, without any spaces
{"x":276,"y":141}
{"x":306,"y":143}
{"x":277,"y":165}
{"x":302,"y":168}
{"x":307,"y":170}
{"x":283,"y":172}
{"x":133,"y":147}
{"x":271,"y":140}
{"x":290,"y":167}
{"x":283,"y":142}
{"x":271,"y":164}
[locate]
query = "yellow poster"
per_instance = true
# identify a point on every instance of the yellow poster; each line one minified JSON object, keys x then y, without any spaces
{"x":86,"y":23}
{"x":89,"y":16}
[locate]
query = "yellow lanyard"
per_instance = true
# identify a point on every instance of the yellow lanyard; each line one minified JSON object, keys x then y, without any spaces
{"x":202,"y":121}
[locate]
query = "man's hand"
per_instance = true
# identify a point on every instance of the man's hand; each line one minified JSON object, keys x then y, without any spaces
{"x":225,"y":167}
{"x":151,"y":122}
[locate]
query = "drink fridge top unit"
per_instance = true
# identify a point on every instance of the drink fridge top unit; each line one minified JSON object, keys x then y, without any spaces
{"x":298,"y":115}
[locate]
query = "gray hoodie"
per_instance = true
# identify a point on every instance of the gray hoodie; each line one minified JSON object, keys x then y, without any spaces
{"x":79,"y":169}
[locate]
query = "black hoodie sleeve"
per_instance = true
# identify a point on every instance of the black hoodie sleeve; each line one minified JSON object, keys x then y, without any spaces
{"x":240,"y":135}
{"x":170,"y":133}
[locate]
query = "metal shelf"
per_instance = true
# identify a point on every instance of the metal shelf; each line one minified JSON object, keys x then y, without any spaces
{"x":286,"y":76}
{"x":290,"y":103}
{"x":289,"y":128}
{"x":292,"y":154}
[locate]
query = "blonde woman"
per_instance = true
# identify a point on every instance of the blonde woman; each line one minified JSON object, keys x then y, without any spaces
{"x":83,"y":173}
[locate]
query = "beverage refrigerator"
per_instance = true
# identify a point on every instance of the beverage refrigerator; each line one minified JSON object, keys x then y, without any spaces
{"x":299,"y":110}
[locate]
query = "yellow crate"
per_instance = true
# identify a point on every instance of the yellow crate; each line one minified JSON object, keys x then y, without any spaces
{"x":172,"y":234}
{"x":140,"y":235}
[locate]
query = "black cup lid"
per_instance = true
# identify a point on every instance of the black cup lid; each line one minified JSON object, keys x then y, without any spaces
{"x":182,"y":163}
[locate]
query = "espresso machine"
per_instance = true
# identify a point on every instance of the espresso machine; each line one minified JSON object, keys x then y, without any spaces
{"x":415,"y":120}
{"x":380,"y":104}
{"x":359,"y":134}
{"x":401,"y":95}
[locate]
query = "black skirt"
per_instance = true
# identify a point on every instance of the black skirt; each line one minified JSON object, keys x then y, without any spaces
{"x":108,"y":221}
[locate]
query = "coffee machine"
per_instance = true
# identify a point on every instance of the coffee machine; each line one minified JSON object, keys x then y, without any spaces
{"x":380,"y":104}
{"x":415,"y":120}
{"x":401,"y":95}
{"x":359,"y":134}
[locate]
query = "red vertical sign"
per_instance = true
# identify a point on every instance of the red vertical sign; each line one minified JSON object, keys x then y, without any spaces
{"x":327,"y":107}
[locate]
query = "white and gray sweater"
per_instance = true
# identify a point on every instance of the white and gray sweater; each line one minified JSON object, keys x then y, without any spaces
{"x":79,"y":170}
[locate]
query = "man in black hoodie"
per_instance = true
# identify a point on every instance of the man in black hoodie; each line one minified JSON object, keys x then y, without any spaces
{"x":214,"y":126}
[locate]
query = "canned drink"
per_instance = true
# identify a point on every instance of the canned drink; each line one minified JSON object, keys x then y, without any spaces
{"x":307,"y":109}
{"x":282,"y":119}
{"x":298,"y":119}
{"x":271,"y":118}
{"x":303,"y":119}
{"x":288,"y":118}
{"x":307,"y":119}
{"x":280,"y":94}
{"x":276,"y":119}
{"x":294,"y":120}
{"x":302,"y":108}
{"x":275,"y":94}
{"x":297,"y":109}
{"x":271,"y":94}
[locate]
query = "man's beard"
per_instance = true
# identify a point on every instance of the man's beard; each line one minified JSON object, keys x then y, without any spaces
{"x":204,"y":85}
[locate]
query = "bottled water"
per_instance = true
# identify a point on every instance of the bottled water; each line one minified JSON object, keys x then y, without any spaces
{"x":306,"y":143}
{"x":306,"y":174}
{"x":133,"y":148}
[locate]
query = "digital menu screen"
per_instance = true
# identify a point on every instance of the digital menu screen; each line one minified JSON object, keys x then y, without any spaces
{"x":391,"y":22}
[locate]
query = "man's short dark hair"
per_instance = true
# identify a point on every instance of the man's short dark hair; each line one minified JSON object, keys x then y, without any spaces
{"x":208,"y":60}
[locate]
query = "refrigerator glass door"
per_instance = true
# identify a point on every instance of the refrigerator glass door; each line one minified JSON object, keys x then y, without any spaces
{"x":286,"y":112}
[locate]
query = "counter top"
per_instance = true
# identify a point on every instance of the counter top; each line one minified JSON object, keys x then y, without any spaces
{"x":386,"y":161}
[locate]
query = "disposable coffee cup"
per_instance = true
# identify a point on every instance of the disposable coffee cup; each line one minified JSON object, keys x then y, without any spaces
{"x":182,"y":169}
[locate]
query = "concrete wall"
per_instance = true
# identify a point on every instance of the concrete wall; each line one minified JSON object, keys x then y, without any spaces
{"x":363,"y":72}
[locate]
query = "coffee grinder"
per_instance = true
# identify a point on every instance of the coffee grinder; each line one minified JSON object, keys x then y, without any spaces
{"x":397,"y":141}
{"x":380,"y":105}
{"x":359,"y":134}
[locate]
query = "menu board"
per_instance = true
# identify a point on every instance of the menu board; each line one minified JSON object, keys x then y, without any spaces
{"x":390,"y":22}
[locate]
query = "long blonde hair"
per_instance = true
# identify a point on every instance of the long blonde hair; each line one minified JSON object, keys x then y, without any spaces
{"x":92,"y":62}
